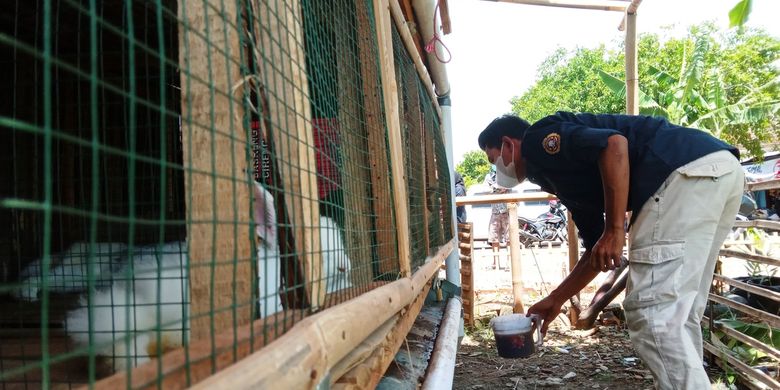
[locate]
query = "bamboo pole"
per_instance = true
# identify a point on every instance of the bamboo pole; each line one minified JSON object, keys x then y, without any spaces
{"x":748,"y":256}
{"x":501,"y":198}
{"x":599,"y":5}
{"x":364,"y":350}
{"x":213,"y":142}
{"x":302,"y":357}
{"x":632,"y":78}
{"x":442,"y":366}
{"x":763,"y":185}
{"x":769,"y":318}
{"x":514,"y":251}
{"x":766,"y":293}
{"x":367,"y":374}
{"x":759,"y":223}
{"x":767,"y":349}
{"x":395,"y":139}
{"x":741,"y":367}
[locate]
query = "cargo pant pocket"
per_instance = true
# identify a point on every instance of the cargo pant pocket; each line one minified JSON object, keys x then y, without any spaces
{"x":654,"y":274}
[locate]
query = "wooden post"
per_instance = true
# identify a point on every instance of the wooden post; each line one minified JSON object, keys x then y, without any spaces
{"x":632,"y":78}
{"x":208,"y":114}
{"x":514,"y":251}
{"x":353,"y":147}
{"x":414,"y":118}
{"x":381,"y":198}
{"x":466,"y":247}
{"x":390,"y":93}
{"x":290,"y":115}
{"x":574,"y":257}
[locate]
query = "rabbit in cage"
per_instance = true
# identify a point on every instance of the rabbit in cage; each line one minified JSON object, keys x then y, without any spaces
{"x":154,"y":294}
{"x":69,"y":271}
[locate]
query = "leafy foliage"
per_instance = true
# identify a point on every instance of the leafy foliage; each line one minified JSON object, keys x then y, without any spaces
{"x":474,"y":167}
{"x":724,"y":83}
{"x":738,"y":15}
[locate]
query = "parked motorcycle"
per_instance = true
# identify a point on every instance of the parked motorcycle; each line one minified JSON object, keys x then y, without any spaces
{"x":549,"y":226}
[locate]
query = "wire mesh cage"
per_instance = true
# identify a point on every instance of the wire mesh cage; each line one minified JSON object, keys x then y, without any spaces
{"x":181,"y":185}
{"x":425,"y":160}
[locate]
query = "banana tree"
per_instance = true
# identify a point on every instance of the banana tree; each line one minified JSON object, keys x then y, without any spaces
{"x":698,"y":97}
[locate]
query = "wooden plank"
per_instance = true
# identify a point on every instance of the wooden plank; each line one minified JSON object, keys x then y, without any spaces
{"x":444,"y":13}
{"x":419,"y":164}
{"x":751,"y":257}
{"x":759,"y":223}
{"x":215,"y":273}
{"x":742,"y":368}
{"x":600,"y":5}
{"x":501,"y":198}
{"x":771,"y":319}
{"x":766,"y":293}
{"x":409,"y":17}
{"x":395,"y":139}
{"x":763,"y":185}
{"x":281,"y":35}
{"x":381,"y":201}
{"x":357,"y":208}
{"x":304,"y":355}
{"x":767,"y":349}
{"x":368,"y":374}
{"x":514,"y":252}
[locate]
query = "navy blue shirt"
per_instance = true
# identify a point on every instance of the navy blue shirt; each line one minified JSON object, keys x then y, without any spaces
{"x":562,"y":152}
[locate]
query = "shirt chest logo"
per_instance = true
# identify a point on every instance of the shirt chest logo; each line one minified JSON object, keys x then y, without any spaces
{"x":552,"y":143}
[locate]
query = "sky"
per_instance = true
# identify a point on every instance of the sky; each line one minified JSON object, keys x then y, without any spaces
{"x":497,"y":47}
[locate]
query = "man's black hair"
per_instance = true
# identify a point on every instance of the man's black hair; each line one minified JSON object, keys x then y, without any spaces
{"x":506,"y":125}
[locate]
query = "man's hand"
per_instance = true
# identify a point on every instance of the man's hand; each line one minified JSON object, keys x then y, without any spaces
{"x":607,"y":254}
{"x":548,"y":308}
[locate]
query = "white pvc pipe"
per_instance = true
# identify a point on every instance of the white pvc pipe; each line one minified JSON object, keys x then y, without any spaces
{"x":441,"y":370}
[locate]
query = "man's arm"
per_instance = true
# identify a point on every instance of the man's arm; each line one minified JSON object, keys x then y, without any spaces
{"x":614,"y":167}
{"x":579,"y":277}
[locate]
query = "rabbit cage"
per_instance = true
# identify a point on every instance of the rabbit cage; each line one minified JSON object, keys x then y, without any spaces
{"x":169,"y":175}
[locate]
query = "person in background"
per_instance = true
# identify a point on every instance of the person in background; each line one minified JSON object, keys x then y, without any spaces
{"x":683,"y":186}
{"x":499,"y":219}
{"x":460,"y":190}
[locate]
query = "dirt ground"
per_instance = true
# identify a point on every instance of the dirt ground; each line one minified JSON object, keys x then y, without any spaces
{"x":602,"y":358}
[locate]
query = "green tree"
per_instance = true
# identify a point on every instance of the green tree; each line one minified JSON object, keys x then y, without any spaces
{"x":474,"y":167}
{"x":722,"y":82}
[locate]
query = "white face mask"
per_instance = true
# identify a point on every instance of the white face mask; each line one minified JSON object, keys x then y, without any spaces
{"x":505,"y":175}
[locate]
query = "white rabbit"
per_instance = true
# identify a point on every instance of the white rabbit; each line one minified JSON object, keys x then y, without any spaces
{"x":337,"y":265}
{"x":69,"y":269}
{"x":126,"y":316}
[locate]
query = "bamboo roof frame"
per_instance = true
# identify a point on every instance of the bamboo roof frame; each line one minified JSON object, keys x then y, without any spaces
{"x":627,"y":24}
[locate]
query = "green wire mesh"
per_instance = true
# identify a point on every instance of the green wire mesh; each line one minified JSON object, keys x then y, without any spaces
{"x":114,"y":136}
{"x":425,"y":159}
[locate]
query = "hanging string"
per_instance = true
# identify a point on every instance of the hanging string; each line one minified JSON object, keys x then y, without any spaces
{"x":430,"y":47}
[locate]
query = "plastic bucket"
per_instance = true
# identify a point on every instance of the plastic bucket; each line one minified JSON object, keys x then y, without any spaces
{"x":514,"y":335}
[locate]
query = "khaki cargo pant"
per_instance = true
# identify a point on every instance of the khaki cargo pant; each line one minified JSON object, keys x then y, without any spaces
{"x":673,"y":247}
